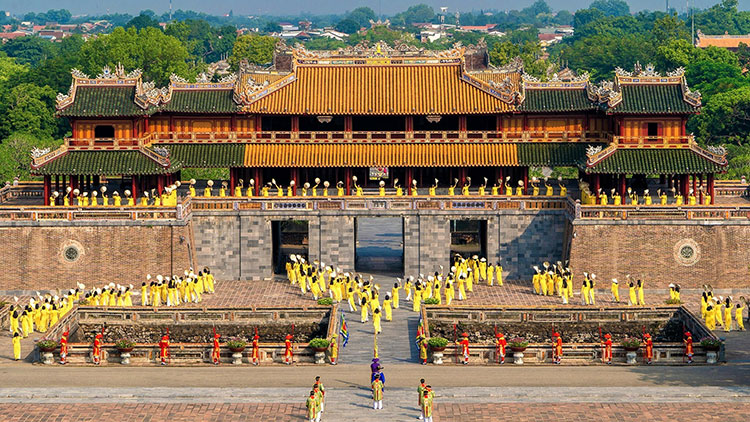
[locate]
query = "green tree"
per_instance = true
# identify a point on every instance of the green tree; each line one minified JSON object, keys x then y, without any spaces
{"x":142,"y":21}
{"x":586,"y":16}
{"x":415,"y":14}
{"x":10,"y":68}
{"x":271,"y":27}
{"x":256,"y":49}
{"x":157,"y":54}
{"x":670,"y":28}
{"x":381,"y":33}
{"x":611,"y":7}
{"x":362,"y":16}
{"x":348,"y":26}
{"x":324,"y":43}
{"x":15,"y":154}
{"x":28,"y":108}
{"x":30,"y":50}
{"x":725,"y":119}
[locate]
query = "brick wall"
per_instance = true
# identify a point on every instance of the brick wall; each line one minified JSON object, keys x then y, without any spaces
{"x":119,"y":253}
{"x":720,"y":257}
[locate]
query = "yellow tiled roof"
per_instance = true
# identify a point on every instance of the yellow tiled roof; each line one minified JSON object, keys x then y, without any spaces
{"x":387,"y":155}
{"x":379,"y":89}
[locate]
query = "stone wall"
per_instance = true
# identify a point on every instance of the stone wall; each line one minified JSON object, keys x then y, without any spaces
{"x":238,"y":244}
{"x":56,"y":255}
{"x":691,"y":253}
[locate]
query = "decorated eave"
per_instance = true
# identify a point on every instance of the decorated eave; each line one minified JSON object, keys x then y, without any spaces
{"x":688,"y":160}
{"x":140,"y":161}
{"x":645,"y":91}
{"x":558,"y":94}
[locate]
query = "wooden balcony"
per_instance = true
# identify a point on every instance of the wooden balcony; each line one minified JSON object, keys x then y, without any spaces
{"x":378,"y":136}
{"x":106,"y":143}
{"x":651,"y":141}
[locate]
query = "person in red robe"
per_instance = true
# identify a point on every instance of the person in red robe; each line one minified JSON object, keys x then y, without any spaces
{"x":464,"y":343}
{"x":288,"y":354}
{"x":500,"y":344}
{"x":256,"y":350}
{"x":649,"y":348}
{"x":216,"y":354}
{"x":64,"y":348}
{"x":557,"y":350}
{"x":164,"y":349}
{"x":607,"y":349}
{"x":97,"y":355}
{"x":689,"y":347}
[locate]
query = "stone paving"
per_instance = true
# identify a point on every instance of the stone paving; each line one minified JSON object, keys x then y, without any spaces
{"x":353,"y":404}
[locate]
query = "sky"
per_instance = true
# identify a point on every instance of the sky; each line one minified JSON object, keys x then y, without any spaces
{"x":315,"y":7}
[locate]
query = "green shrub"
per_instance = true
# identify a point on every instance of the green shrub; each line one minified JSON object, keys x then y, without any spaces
{"x":710,"y":342}
{"x":325,"y":301}
{"x":431,"y":301}
{"x":46,"y":344}
{"x":673,"y":302}
{"x":236,"y":343}
{"x":124,"y":343}
{"x":319,"y":343}
{"x":518,"y":342}
{"x":437,"y":342}
{"x":631,"y":342}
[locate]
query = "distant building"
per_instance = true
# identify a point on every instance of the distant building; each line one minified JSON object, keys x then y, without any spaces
{"x":6,"y":36}
{"x":478,"y":28}
{"x":730,"y":42}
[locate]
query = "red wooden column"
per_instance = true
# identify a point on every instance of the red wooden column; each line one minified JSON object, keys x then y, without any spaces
{"x":700,"y":194}
{"x":47,"y":189}
{"x":623,"y":187}
{"x":295,"y":177}
{"x":133,"y":187}
{"x":596,"y":185}
{"x":258,"y":180}
{"x":695,"y":187}
{"x":159,"y":184}
{"x":231,"y":181}
{"x":685,"y":185}
{"x":525,"y":174}
{"x":348,"y":180}
{"x":710,"y":179}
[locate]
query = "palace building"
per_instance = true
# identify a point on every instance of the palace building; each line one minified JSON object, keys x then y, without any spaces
{"x":377,"y":112}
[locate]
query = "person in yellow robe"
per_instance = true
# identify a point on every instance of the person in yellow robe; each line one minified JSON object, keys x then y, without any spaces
{"x":394,"y":293}
{"x":641,"y":300}
{"x":615,"y":289}
{"x":739,"y":315}
{"x":632,"y":298}
{"x":535,"y":280}
{"x":376,"y":315}
{"x":710,"y":318}
{"x":365,"y":316}
{"x":387,"y":310}
{"x":727,"y":317}
{"x":16,"y":346}
{"x":416,"y":306}
{"x":585,"y":290}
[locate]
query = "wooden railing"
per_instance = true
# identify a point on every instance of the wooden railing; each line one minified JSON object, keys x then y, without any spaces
{"x":22,"y":190}
{"x":379,"y":136}
{"x":75,"y":213}
{"x":661,"y":212}
{"x":391,"y":203}
{"x":649,"y":141}
{"x":107,"y":143}
{"x":731,"y":188}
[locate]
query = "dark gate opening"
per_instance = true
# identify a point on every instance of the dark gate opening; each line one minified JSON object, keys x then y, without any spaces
{"x":379,"y":245}
{"x":288,"y":237}
{"x":468,"y":237}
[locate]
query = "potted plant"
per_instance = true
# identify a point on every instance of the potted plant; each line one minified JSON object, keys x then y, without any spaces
{"x":325,"y":301}
{"x":631,"y":344}
{"x":518,"y":344}
{"x":236,"y":345}
{"x":47,"y":346}
{"x":431,"y":301}
{"x":673,"y":301}
{"x":319,"y":344}
{"x":711,"y":344}
{"x":437,"y":344}
{"x":124,"y":345}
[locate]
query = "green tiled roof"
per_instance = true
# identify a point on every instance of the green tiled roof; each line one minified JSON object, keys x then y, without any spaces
{"x":556,"y":100}
{"x":655,"y":161}
{"x":110,"y":163}
{"x":653,"y":99}
{"x":106,"y":101}
{"x":207,"y":155}
{"x":201,"y":101}
{"x":551,"y":155}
